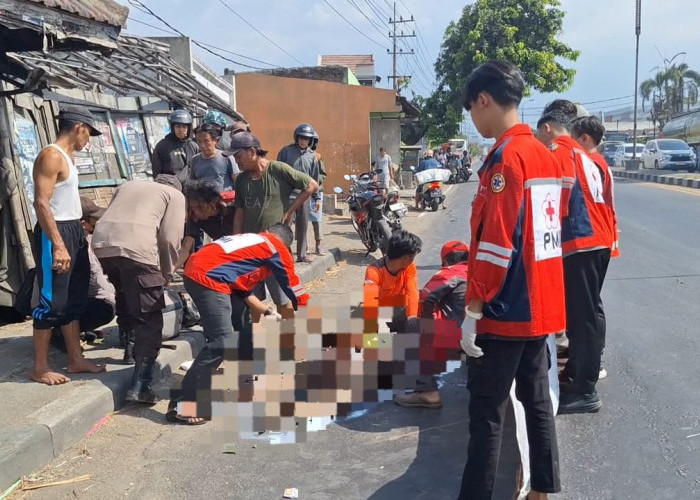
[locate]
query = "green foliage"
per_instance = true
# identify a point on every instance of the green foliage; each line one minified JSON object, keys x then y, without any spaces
{"x":673,"y":89}
{"x":440,"y":119}
{"x":522,"y":32}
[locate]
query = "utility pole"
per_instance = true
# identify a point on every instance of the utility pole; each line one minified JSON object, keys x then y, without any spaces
{"x":637,"y":31}
{"x":394,"y":53}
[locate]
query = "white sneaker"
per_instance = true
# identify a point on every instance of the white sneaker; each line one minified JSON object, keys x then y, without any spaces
{"x":603,"y":373}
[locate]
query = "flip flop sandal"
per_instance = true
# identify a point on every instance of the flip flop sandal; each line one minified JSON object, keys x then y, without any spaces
{"x":173,"y":417}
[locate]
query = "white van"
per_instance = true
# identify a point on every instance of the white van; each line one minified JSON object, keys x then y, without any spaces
{"x":458,"y":146}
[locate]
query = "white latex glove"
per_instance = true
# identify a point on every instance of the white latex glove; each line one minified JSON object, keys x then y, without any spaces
{"x":469,"y":346}
{"x":275,"y":316}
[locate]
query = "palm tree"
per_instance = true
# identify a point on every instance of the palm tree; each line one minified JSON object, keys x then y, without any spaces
{"x":683,"y":77}
{"x":653,"y":90}
{"x":673,"y":88}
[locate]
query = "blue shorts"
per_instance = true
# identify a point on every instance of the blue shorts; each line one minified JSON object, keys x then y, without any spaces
{"x":315,"y":216}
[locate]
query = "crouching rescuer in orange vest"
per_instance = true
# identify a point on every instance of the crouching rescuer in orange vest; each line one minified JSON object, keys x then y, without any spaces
{"x":441,"y":308}
{"x":231,"y":265}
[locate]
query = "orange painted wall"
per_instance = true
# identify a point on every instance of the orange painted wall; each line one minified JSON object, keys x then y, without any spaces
{"x":340,"y":113}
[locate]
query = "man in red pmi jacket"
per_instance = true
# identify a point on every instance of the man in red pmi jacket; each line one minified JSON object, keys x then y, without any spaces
{"x":587,"y":237}
{"x":588,"y":131}
{"x":515,"y":289}
{"x":232,"y":264}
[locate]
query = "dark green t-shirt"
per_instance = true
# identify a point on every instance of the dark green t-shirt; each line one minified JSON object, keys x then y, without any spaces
{"x":265,"y":200}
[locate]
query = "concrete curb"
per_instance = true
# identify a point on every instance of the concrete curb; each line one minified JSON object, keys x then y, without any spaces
{"x":319,"y":266}
{"x":46,"y":433}
{"x":52,"y":429}
{"x":658,"y":178}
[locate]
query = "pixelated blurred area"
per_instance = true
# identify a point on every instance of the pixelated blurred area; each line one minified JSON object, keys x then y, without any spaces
{"x":320,"y":366}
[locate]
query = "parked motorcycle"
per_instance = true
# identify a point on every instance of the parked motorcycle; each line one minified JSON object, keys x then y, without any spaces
{"x":375,"y":213}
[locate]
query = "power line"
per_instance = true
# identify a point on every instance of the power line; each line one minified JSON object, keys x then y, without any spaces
{"x":258,"y":31}
{"x":372,"y":22}
{"x":612,"y":99}
{"x":142,"y":7}
{"x":420,"y":52}
{"x":169,"y":32}
{"x":355,"y":27}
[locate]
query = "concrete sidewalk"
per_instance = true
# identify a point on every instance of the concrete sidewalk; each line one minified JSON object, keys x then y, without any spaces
{"x":38,"y":422}
{"x":683,"y":179}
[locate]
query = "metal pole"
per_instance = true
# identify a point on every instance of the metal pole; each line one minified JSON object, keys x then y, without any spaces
{"x":637,"y":31}
{"x":396,"y":86}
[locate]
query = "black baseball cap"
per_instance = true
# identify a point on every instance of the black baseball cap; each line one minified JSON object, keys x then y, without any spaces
{"x":79,"y":114}
{"x":242,"y":140}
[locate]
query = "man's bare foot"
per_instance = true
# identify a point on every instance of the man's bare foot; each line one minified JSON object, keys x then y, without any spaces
{"x":85,"y":366}
{"x":49,"y":377}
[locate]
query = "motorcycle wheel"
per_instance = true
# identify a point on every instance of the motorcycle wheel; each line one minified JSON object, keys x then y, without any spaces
{"x":434,"y":205}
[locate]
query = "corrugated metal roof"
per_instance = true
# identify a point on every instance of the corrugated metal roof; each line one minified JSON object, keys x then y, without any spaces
{"x":104,"y":11}
{"x":350,"y":61}
{"x":136,"y":67}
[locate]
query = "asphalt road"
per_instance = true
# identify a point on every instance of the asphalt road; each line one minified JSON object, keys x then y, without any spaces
{"x":643,"y":444}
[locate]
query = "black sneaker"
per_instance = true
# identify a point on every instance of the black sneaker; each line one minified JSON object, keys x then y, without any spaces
{"x":579,"y":403}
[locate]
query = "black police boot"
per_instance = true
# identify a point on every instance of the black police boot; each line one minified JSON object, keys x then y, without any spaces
{"x":140,"y":390}
{"x":129,"y":347}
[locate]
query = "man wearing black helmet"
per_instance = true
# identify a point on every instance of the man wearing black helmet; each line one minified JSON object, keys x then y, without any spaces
{"x":173,"y":154}
{"x":303,"y":159}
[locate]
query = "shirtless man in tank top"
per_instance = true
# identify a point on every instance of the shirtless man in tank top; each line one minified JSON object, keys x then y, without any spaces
{"x":63,"y":268}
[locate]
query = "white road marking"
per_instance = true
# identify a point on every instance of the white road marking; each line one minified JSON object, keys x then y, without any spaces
{"x":422,"y":214}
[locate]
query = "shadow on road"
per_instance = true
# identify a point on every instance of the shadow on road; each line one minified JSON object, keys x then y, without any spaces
{"x":441,"y":449}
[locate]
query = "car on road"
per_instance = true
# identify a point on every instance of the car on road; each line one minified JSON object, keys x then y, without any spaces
{"x":669,"y":154}
{"x":608,"y":150}
{"x":624,"y":153}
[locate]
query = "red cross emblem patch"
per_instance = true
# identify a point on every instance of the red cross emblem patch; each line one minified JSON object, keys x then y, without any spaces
{"x":550,"y":210}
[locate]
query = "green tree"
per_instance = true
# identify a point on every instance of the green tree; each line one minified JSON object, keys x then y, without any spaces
{"x":522,"y":32}
{"x":440,"y":120}
{"x":672,"y":90}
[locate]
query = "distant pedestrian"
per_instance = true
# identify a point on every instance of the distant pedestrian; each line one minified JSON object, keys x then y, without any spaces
{"x":301,"y":157}
{"x":263,"y":191}
{"x":137,"y":242}
{"x":173,"y":154}
{"x":63,"y":266}
{"x":515,"y":289}
{"x":210,"y":165}
{"x":384,"y":163}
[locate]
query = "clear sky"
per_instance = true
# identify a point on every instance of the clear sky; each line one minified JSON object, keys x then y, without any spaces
{"x":603,"y":30}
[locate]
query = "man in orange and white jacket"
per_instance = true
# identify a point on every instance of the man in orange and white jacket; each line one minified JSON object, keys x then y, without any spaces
{"x":587,"y":239}
{"x":515,"y":289}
